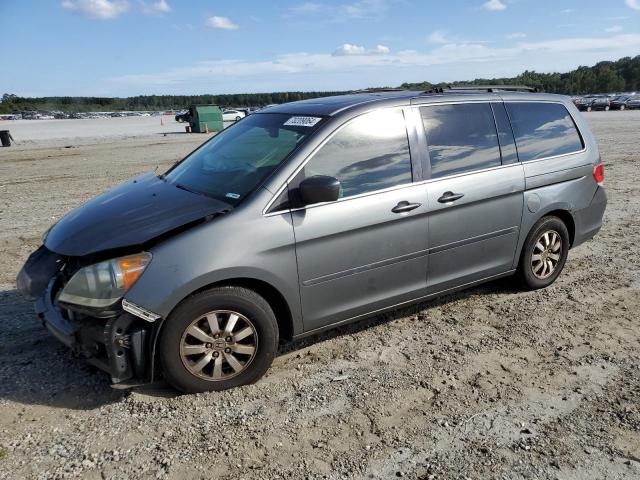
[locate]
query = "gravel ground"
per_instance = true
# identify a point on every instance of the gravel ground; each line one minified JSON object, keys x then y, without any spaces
{"x":488,"y":383}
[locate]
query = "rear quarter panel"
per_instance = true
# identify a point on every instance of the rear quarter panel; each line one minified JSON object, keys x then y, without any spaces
{"x":563,"y":182}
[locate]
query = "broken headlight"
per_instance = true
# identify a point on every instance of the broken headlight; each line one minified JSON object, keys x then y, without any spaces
{"x":102,"y":284}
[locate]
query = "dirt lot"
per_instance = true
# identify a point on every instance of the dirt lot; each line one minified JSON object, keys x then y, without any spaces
{"x":39,"y":133}
{"x":489,"y":383}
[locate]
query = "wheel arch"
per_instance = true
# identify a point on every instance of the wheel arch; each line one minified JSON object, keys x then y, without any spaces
{"x":275,"y":299}
{"x":562,"y":212}
{"x":567,"y":219}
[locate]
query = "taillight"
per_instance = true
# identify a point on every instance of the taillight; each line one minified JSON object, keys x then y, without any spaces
{"x":598,"y":173}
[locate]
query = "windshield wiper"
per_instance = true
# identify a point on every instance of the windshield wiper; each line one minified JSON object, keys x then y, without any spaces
{"x":204,"y":194}
{"x":163,"y":175}
{"x":187,"y":189}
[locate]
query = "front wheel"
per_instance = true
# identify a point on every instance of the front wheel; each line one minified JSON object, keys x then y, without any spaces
{"x":622,"y":107}
{"x":544,"y":253}
{"x":589,"y":109}
{"x":219,"y":339}
{"x":606,"y":109}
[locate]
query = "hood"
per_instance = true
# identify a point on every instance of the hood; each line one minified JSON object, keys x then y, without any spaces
{"x":132,"y":213}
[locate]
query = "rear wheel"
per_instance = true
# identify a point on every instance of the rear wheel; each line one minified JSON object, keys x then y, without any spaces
{"x":606,"y":109}
{"x":544,"y":253}
{"x":238,"y":118}
{"x":219,"y":339}
{"x":622,"y":107}
{"x":589,"y":109}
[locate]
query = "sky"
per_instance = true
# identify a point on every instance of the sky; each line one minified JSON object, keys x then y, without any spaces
{"x":142,"y":47}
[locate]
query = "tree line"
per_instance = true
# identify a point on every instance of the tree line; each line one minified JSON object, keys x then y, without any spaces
{"x":609,"y":76}
{"x":619,"y":76}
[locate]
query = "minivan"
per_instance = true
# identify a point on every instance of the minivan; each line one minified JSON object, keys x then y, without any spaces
{"x":308,"y":215}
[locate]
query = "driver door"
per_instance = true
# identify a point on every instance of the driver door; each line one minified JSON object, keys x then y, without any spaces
{"x":368,"y":249}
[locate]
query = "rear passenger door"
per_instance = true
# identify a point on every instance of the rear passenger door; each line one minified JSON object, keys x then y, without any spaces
{"x":475,"y":192}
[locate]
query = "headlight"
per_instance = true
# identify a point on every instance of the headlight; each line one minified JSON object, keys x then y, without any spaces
{"x":102,"y":284}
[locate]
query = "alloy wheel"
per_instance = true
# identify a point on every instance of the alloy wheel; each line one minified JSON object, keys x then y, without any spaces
{"x":218,"y":345}
{"x":547,"y":253}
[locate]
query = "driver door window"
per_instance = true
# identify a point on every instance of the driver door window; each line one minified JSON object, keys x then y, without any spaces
{"x":369,"y":153}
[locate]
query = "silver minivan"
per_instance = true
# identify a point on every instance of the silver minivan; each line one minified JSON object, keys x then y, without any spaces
{"x":311,"y":214}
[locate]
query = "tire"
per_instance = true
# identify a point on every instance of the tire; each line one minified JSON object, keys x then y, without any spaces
{"x":238,"y":119}
{"x":532,"y":274}
{"x":622,"y":107}
{"x":606,"y":109}
{"x":181,"y":353}
{"x":589,"y":109}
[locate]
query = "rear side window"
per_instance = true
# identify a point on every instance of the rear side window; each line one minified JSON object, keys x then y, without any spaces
{"x":370,"y":153}
{"x":461,"y":138}
{"x":543,"y":130}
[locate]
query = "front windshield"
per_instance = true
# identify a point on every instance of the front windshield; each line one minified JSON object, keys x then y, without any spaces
{"x":230,"y":165}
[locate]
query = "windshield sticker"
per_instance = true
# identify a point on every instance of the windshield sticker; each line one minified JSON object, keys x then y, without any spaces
{"x":302,"y":121}
{"x":235,"y":196}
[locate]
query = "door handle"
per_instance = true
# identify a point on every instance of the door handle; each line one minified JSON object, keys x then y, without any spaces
{"x":450,"y":197}
{"x":405,"y":206}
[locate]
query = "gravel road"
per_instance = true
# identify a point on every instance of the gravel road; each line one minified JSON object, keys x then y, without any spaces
{"x":492,"y":382}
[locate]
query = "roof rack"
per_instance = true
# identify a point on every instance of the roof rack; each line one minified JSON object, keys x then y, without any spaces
{"x":496,"y":88}
{"x":378,"y":90}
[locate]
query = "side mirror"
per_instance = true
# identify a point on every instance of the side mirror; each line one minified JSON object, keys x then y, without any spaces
{"x":319,"y":189}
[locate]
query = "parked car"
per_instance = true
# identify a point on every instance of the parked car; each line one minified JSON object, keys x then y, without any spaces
{"x":232,"y":115}
{"x":310,"y":215}
{"x":601,"y":102}
{"x":619,"y":102}
{"x":183,"y":117}
{"x":633,"y":102}
{"x":584,"y":104}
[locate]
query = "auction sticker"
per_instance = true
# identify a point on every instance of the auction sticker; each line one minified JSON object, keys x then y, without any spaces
{"x":302,"y":121}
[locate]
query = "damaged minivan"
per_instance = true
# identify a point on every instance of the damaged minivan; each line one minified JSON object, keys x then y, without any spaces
{"x":308,"y":215}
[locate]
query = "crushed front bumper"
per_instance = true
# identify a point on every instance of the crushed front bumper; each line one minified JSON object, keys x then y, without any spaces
{"x":119,"y":344}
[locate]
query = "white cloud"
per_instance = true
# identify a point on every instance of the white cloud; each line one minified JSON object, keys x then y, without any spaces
{"x":221,"y":22}
{"x":635,"y":4}
{"x":97,"y":9}
{"x":445,"y":62}
{"x":307,"y":8}
{"x":358,"y":10}
{"x":161,"y":6}
{"x":515,"y":35}
{"x":614,"y":29}
{"x":438,"y":36}
{"x":364,"y":9}
{"x":494,"y":5}
{"x":349,"y":49}
{"x":566,"y":11}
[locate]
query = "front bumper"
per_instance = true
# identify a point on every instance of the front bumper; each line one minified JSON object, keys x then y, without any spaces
{"x":119,"y":344}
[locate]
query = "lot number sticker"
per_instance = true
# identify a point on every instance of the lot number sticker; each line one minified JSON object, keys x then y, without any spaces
{"x":303,"y":121}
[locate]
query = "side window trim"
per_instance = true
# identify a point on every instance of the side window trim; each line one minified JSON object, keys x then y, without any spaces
{"x":285,"y":186}
{"x":413,"y":124}
{"x":495,"y":125}
{"x":509,"y":130}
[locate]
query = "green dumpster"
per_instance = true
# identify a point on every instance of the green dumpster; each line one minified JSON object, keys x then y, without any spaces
{"x":205,"y":117}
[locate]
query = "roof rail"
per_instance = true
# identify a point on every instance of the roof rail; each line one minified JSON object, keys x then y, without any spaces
{"x":496,"y":88}
{"x":378,"y":90}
